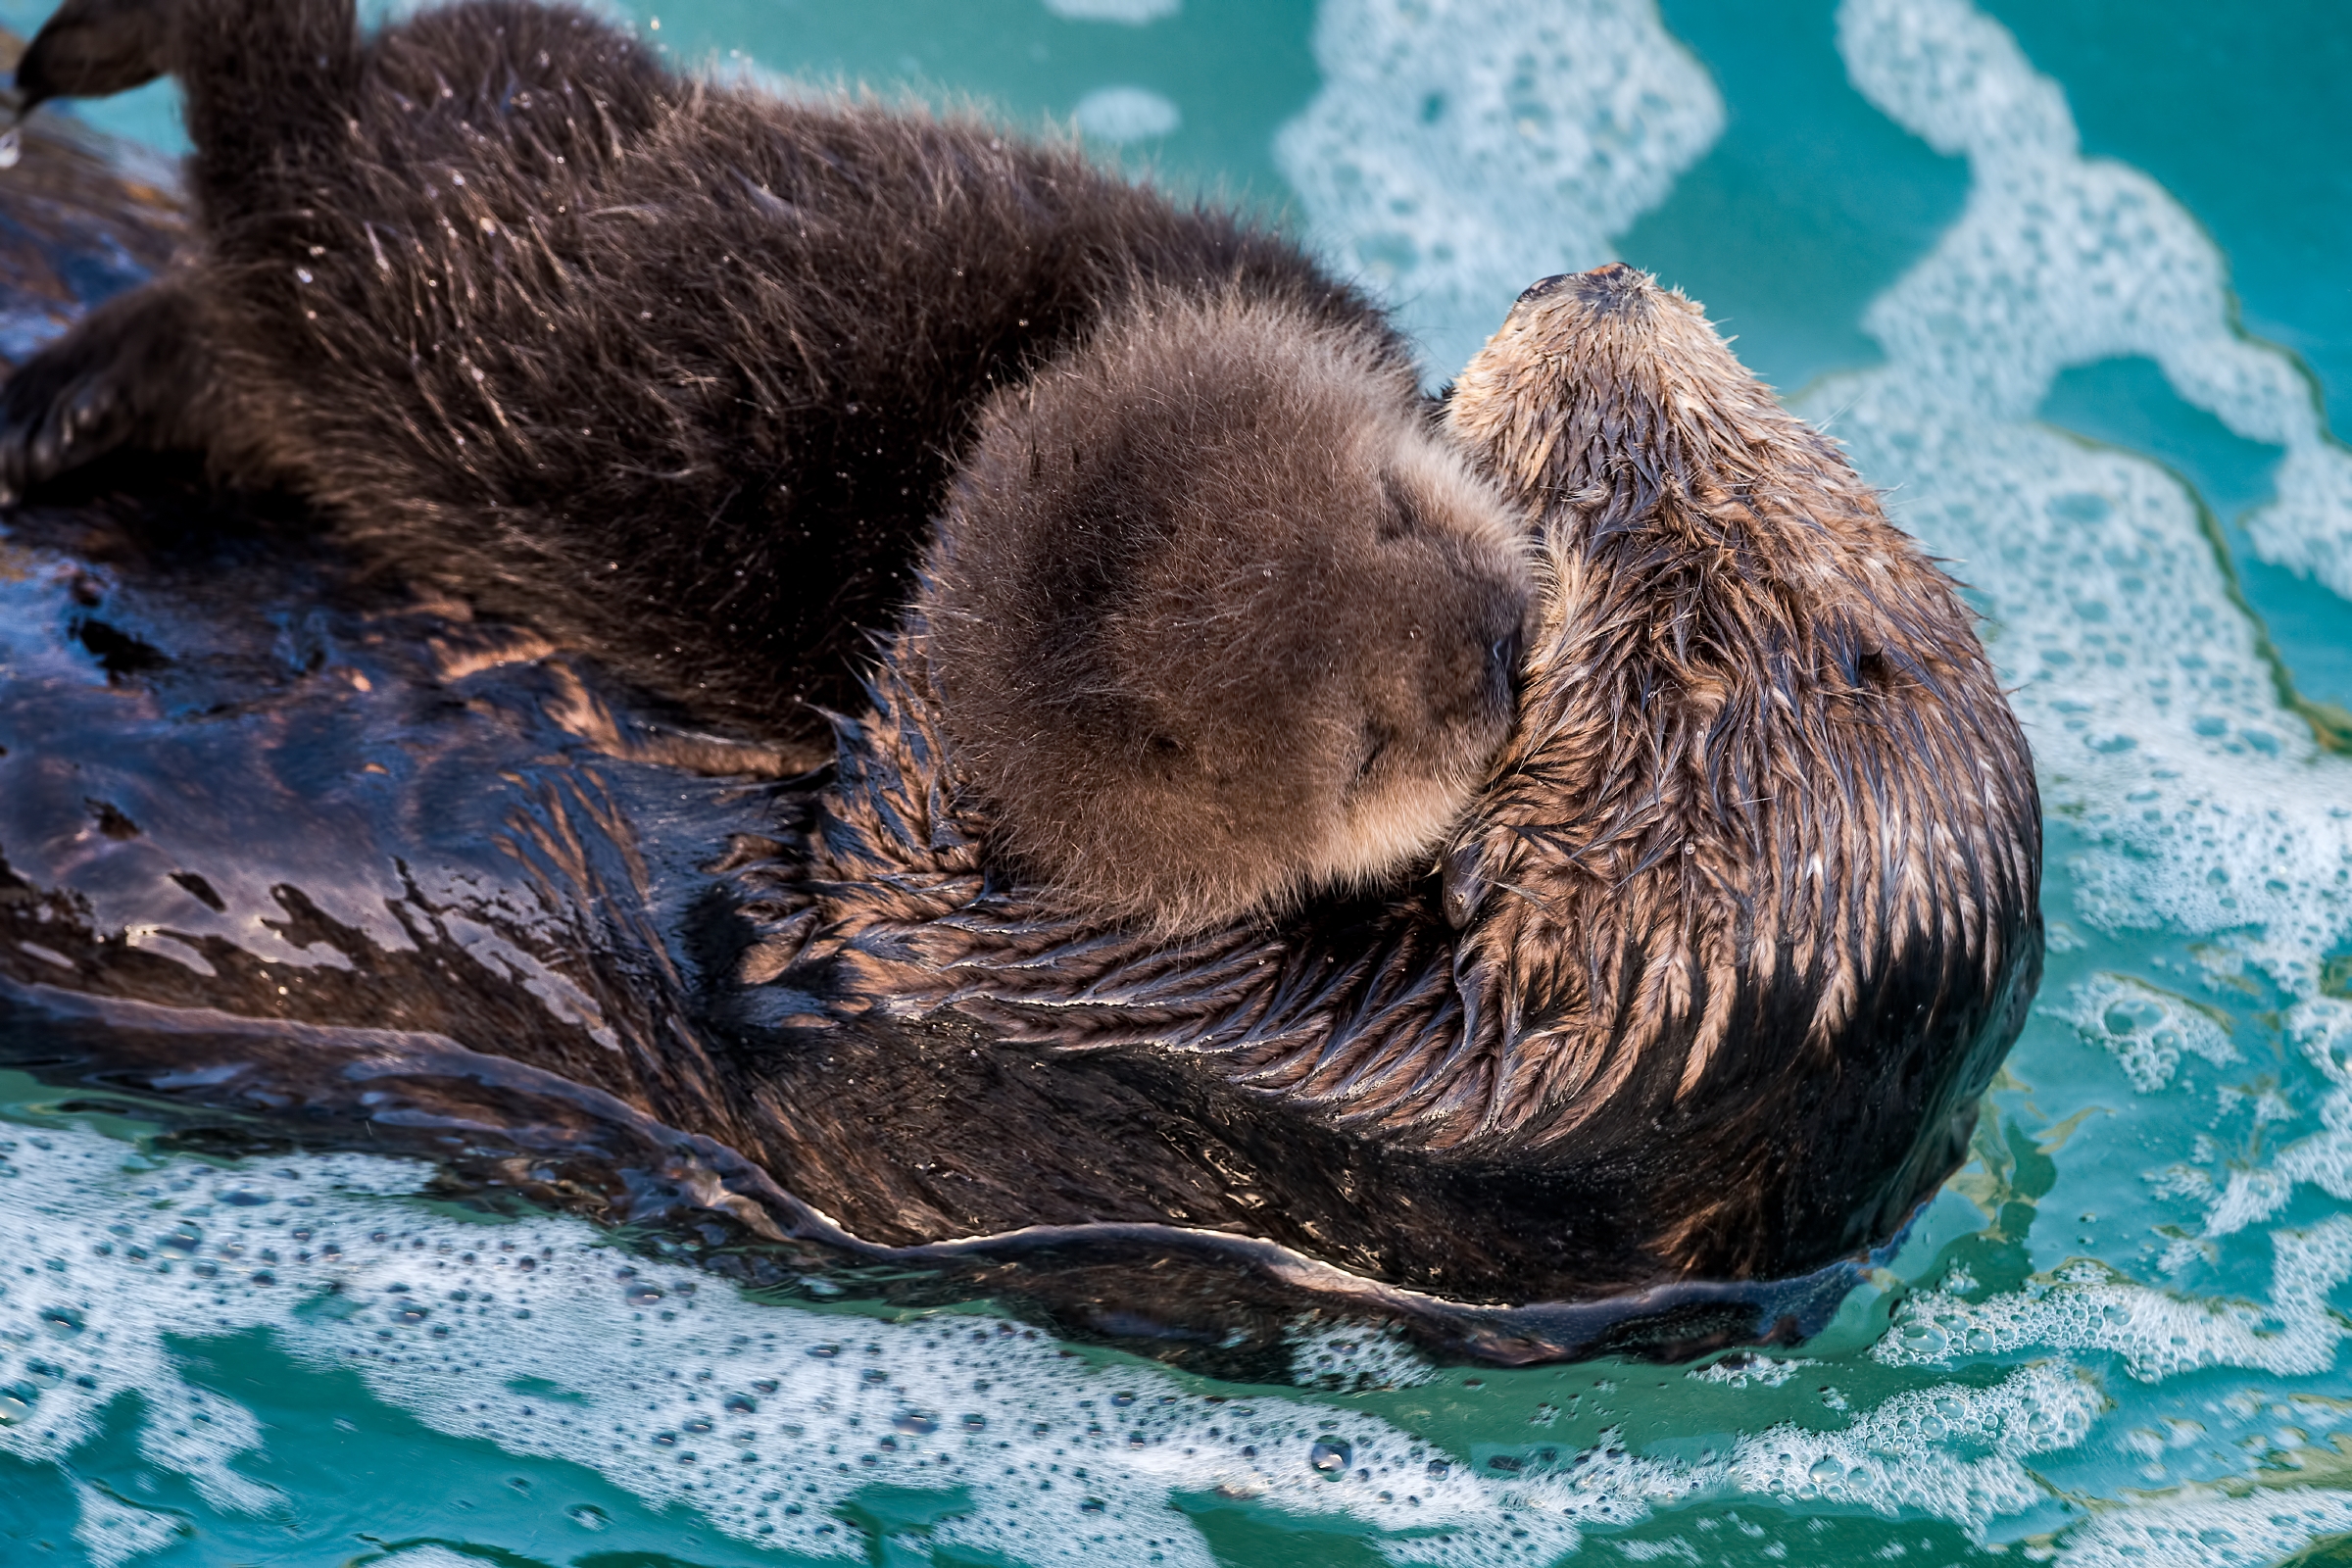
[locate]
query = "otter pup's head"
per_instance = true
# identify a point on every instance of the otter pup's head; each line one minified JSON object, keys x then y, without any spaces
{"x":1217,"y":619}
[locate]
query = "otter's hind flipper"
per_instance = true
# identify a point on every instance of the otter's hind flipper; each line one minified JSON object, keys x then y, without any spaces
{"x":93,"y":49}
{"x":133,"y":373}
{"x":269,"y":84}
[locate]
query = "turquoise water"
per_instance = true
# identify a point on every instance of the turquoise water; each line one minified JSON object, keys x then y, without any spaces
{"x":2074,"y":281}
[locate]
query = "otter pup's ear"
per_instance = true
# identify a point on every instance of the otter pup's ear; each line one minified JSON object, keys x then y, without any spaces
{"x":1218,"y":621}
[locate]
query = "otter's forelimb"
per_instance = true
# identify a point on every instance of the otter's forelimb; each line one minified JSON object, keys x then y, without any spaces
{"x":131,"y":374}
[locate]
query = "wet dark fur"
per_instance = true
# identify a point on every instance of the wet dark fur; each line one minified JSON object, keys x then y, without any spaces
{"x":681,"y":376}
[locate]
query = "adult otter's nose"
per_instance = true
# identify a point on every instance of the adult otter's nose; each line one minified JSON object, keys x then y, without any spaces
{"x":1610,"y":282}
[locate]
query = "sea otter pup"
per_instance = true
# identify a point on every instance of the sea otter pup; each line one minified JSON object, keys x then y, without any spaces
{"x":683,"y":377}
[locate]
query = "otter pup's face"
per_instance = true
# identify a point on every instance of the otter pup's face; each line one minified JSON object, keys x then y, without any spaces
{"x":1217,"y":620}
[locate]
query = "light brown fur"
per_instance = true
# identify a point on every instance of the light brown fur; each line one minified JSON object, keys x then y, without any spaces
{"x":1218,"y":621}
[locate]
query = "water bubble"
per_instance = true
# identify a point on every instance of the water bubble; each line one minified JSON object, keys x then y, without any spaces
{"x":741,"y":1405}
{"x":16,"y":1403}
{"x":1331,"y":1455}
{"x":1122,"y":1399}
{"x":62,"y":1322}
{"x":915,"y":1423}
{"x":242,"y":1198}
{"x":185,"y":1236}
{"x":824,"y":1353}
{"x":1824,"y":1471}
{"x":974,"y":1423}
{"x":698,"y":1426}
{"x":642,"y":1294}
{"x":588,"y":1516}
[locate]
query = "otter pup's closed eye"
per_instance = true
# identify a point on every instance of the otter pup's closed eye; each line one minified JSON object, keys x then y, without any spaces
{"x":1216,"y":618}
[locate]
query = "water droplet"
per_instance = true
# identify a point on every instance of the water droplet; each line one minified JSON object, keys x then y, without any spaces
{"x":242,"y":1198}
{"x":824,"y":1353}
{"x":185,"y":1236}
{"x":1122,"y":1399}
{"x":1824,"y":1470}
{"x":974,"y":1423}
{"x":62,"y":1322}
{"x":1330,"y":1455}
{"x":698,"y":1426}
{"x":642,"y":1294}
{"x":741,"y":1405}
{"x":588,"y":1516}
{"x":917,"y":1423}
{"x":16,"y":1403}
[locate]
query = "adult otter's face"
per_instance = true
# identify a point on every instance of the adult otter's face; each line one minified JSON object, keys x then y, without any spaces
{"x":1763,"y":778}
{"x":1217,"y":619}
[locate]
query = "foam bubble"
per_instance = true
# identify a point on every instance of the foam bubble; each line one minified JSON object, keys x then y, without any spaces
{"x":1461,"y":149}
{"x":2208,"y":1532}
{"x":2086,"y":1306}
{"x":2147,"y":1029}
{"x":1126,"y":114}
{"x":1134,"y":13}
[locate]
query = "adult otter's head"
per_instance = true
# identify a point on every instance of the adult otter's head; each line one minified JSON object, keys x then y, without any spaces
{"x":1216,"y":618}
{"x":1765,"y":812}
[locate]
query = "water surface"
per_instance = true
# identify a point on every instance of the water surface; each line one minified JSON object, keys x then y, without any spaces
{"x":2070,"y":281}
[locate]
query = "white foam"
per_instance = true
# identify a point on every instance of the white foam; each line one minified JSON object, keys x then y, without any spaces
{"x":2147,"y":1029}
{"x":763,"y":1418}
{"x":2208,"y":1531}
{"x":2088,"y":259}
{"x":2086,"y":1307}
{"x":1126,"y":114}
{"x":1133,"y":13}
{"x":1461,"y":149}
{"x":2157,"y":725}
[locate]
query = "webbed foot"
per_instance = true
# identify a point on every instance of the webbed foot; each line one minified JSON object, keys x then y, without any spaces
{"x":91,"y":48}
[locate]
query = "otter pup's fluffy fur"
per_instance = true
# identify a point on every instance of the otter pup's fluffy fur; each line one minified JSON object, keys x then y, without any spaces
{"x":684,"y":376}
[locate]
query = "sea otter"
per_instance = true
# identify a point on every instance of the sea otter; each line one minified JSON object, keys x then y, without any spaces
{"x":694,"y":379}
{"x":1719,"y":962}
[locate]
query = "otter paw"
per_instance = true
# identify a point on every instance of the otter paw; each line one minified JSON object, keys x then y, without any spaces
{"x":53,"y":419}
